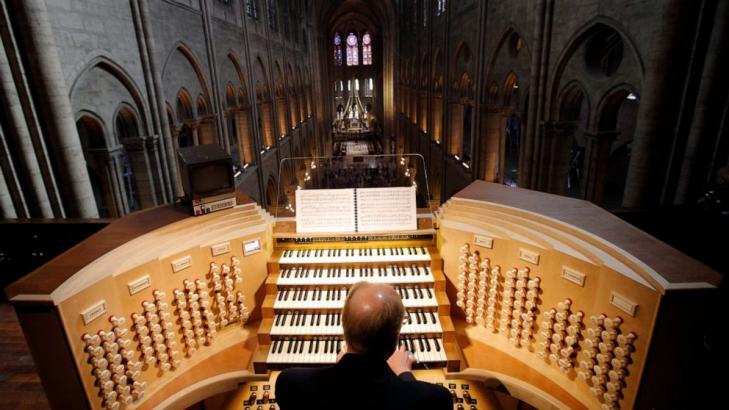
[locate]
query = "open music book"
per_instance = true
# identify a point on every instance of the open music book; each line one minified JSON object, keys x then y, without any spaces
{"x":356,"y":210}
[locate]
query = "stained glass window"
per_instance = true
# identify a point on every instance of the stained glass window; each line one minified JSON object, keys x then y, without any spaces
{"x":367,"y":49}
{"x":352,"y":49}
{"x":337,"y":49}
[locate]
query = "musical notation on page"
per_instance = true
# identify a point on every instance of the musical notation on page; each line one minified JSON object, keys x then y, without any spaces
{"x":386,"y":209}
{"x":325,"y":210}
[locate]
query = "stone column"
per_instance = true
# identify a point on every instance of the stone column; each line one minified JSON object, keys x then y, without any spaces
{"x":40,"y":205}
{"x":698,"y":162}
{"x":655,"y":131}
{"x":167,"y":142}
{"x":136,"y":149}
{"x":54,"y":105}
{"x":7,"y":208}
{"x":245,"y":140}
{"x":153,"y":152}
{"x":493,"y":143}
{"x":164,"y":186}
{"x":195,"y":135}
{"x":559,"y":137}
{"x":597,"y":156}
{"x":116,"y":174}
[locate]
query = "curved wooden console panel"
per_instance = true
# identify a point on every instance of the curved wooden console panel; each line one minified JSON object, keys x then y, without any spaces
{"x":551,"y":299}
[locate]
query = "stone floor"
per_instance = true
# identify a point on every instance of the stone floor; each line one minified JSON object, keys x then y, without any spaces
{"x":20,"y":387}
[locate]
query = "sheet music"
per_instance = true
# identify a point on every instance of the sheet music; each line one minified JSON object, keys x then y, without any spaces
{"x":386,"y":209}
{"x":325,"y":210}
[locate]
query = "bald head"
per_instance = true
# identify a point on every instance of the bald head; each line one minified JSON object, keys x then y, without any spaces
{"x":372,"y":318}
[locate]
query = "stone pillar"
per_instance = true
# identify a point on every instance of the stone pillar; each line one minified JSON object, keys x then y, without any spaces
{"x":245,"y":136}
{"x":54,"y":106}
{"x":169,"y":159}
{"x":7,"y":208}
{"x":267,"y":124}
{"x":39,"y":205}
{"x":153,"y":153}
{"x":455,"y":129}
{"x":293,"y":109}
{"x":164,"y":189}
{"x":597,"y":156}
{"x":282,"y":117}
{"x":493,"y":143}
{"x":116,"y":174}
{"x":195,"y":136}
{"x":655,"y":131}
{"x":206,"y":130}
{"x":698,"y":162}
{"x":136,"y":149}
{"x":559,"y":137}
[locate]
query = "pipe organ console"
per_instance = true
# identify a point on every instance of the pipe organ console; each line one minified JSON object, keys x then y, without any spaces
{"x":511,"y":295}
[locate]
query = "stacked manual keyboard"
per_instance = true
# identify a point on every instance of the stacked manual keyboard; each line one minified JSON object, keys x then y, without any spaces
{"x":307,"y":287}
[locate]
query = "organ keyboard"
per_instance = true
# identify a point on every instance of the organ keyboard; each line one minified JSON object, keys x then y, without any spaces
{"x":553,"y":299}
{"x":317,"y":350}
{"x":318,"y":298}
{"x":347,"y":276}
{"x":316,"y":324}
{"x":354,"y":255}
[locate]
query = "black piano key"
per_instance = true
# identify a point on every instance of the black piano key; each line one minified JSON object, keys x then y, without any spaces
{"x":437,"y":344}
{"x":420,"y":293}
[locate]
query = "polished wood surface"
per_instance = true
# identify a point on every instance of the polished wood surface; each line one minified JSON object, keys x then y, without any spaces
{"x":670,"y":263}
{"x":20,"y":386}
{"x":613,"y":257}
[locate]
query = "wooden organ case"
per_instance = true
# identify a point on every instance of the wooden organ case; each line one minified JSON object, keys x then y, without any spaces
{"x":549,"y":299}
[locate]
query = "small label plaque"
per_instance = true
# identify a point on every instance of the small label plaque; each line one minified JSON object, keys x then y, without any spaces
{"x":578,"y":278}
{"x":93,"y":312}
{"x":139,"y":285}
{"x":220,"y":248}
{"x":529,"y":256}
{"x":251,"y":247}
{"x":483,"y":241}
{"x":182,"y":263}
{"x":623,"y":303}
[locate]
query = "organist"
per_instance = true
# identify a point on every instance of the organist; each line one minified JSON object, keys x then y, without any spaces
{"x":364,"y":377}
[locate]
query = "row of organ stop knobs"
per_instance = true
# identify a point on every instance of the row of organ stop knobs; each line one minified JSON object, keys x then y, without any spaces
{"x":485,"y":294}
{"x":117,"y":373}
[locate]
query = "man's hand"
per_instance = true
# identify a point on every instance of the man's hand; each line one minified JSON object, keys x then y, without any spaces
{"x":401,"y":361}
{"x":342,"y":352}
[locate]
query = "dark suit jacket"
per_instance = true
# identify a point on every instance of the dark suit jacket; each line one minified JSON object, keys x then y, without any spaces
{"x":357,"y":382}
